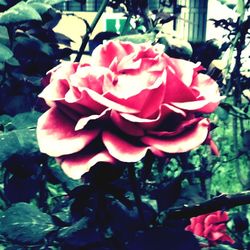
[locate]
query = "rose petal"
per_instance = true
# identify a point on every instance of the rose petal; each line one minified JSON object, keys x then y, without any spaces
{"x":208,"y":229}
{"x":184,"y":70}
{"x":126,"y":126}
{"x":147,"y":123}
{"x":227,"y":238}
{"x":179,"y":129}
{"x":198,"y":229}
{"x":95,"y":78}
{"x":152,"y":95}
{"x":211,"y":219}
{"x":221,"y":227}
{"x":199,"y":106}
{"x":100,"y":99}
{"x":57,"y":81}
{"x":214,"y":236}
{"x":82,"y":122}
{"x":84,"y":100}
{"x":103,"y":55}
{"x":176,"y":90}
{"x":78,"y":164}
{"x":207,"y":89}
{"x":56,"y":135}
{"x":181,"y":143}
{"x":122,"y":149}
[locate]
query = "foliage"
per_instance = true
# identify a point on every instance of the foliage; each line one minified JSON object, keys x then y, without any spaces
{"x":41,"y":208}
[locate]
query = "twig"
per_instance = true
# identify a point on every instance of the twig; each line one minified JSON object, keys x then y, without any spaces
{"x":137,"y":197}
{"x":223,"y":201}
{"x":90,"y":30}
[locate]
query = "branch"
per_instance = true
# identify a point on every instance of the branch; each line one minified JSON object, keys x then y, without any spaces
{"x":135,"y":190}
{"x":90,"y":29}
{"x":223,"y":201}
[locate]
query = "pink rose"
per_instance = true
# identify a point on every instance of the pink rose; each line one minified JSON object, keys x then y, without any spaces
{"x":211,"y":226}
{"x":130,"y":99}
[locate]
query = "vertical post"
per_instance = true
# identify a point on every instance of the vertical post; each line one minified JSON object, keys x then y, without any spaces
{"x":197,"y":20}
{"x":192,"y":21}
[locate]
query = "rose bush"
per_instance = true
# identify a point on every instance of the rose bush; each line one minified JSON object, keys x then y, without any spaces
{"x":129,"y":99}
{"x":211,"y":226}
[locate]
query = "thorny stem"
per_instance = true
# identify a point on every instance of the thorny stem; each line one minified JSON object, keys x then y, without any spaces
{"x":223,"y":201}
{"x":90,"y":30}
{"x":237,"y":99}
{"x":135,"y":189}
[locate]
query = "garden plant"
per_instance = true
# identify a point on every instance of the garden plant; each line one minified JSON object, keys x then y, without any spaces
{"x":140,"y":143}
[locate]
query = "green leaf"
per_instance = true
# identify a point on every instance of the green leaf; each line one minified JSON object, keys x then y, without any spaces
{"x":222,"y":247}
{"x":13,"y":62}
{"x":3,"y":2}
{"x":229,"y":3}
{"x":2,"y":66}
{"x":25,"y":223}
{"x":4,"y":36}
{"x":26,"y":120}
{"x":5,"y":53}
{"x":50,"y":2}
{"x":17,"y":141}
{"x":222,"y":113}
{"x":137,"y":38}
{"x":41,"y":8}
{"x":21,"y":12}
{"x":5,"y":119}
{"x":240,"y":8}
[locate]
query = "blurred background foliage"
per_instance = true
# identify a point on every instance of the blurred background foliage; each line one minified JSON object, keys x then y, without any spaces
{"x":41,"y":208}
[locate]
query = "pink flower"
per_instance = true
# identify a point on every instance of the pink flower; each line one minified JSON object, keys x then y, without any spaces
{"x":211,"y":226}
{"x":130,"y":99}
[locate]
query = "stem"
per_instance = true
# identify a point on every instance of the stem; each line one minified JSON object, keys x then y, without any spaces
{"x":135,"y":190}
{"x":104,"y":218}
{"x":126,"y":25}
{"x":224,"y":201}
{"x":90,"y":30}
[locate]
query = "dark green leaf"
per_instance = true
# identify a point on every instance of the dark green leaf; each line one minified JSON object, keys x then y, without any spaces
{"x":56,"y":175}
{"x":167,"y":193}
{"x":21,"y":12}
{"x":80,"y":234}
{"x":163,"y":238}
{"x":176,"y":47}
{"x":17,"y":141}
{"x":24,"y":165}
{"x":5,"y":53}
{"x":17,"y":104}
{"x":21,"y":189}
{"x":67,"y":232}
{"x":31,"y":45}
{"x":25,"y":223}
